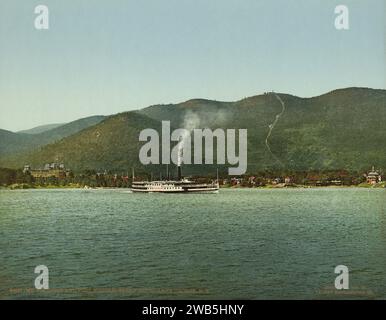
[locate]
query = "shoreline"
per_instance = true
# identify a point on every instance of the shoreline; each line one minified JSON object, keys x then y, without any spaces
{"x":267,"y":187}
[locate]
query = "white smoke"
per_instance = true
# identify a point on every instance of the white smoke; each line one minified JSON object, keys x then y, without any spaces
{"x":205,"y":118}
{"x":191,"y":121}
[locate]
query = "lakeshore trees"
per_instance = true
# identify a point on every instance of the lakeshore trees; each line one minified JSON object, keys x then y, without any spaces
{"x":9,"y":177}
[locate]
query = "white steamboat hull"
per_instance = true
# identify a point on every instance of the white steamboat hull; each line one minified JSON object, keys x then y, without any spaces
{"x":209,"y":190}
{"x":174,"y":187}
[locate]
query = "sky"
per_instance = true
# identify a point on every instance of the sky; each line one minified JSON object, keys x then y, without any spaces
{"x":105,"y":57}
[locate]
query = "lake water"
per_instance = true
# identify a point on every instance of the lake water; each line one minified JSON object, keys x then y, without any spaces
{"x":238,"y":244}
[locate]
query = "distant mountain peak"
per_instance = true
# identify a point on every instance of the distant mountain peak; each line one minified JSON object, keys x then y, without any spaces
{"x":42,"y":128}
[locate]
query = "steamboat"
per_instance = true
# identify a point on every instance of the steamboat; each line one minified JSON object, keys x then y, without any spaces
{"x":180,"y":185}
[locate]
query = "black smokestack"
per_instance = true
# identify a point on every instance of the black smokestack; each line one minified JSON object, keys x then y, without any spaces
{"x":179,"y":174}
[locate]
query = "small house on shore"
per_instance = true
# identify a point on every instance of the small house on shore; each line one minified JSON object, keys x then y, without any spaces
{"x":373,"y":177}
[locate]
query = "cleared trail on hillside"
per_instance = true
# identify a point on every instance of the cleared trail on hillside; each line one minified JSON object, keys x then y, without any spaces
{"x":272,"y":126}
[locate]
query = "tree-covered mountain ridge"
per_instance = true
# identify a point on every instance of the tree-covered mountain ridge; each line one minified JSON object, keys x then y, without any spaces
{"x":341,"y":130}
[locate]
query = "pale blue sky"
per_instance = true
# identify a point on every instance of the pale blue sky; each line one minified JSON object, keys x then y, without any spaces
{"x":104,"y":57}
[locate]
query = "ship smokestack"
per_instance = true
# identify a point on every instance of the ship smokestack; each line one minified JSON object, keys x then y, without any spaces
{"x":179,"y":159}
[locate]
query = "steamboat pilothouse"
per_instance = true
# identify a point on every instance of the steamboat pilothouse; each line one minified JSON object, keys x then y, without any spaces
{"x":181,"y":185}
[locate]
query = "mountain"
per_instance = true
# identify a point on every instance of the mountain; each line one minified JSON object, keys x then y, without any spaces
{"x":69,"y":129}
{"x":42,"y":128}
{"x":342,"y":129}
{"x":12,"y":143}
{"x":112,"y":144}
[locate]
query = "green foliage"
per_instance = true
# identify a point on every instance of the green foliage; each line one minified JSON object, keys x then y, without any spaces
{"x":12,"y":176}
{"x":340,"y":130}
{"x":12,"y":143}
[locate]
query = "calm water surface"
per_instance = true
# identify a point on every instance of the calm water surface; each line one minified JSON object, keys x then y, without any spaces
{"x":238,"y":244}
